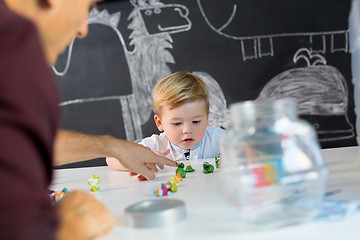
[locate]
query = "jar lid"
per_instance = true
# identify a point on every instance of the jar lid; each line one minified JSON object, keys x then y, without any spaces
{"x":155,"y":213}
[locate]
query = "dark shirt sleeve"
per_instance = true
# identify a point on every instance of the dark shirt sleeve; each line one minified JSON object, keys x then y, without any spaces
{"x":28,"y":122}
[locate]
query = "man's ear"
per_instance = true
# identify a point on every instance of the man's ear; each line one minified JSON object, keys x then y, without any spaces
{"x":47,"y":3}
{"x":158,"y":123}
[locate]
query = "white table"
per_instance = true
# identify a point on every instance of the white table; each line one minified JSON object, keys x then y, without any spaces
{"x":209,"y":216}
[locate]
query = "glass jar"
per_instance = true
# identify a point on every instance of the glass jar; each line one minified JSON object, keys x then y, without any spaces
{"x":271,"y":164}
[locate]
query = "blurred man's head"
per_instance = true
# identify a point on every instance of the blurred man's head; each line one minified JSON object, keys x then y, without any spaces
{"x":58,"y":21}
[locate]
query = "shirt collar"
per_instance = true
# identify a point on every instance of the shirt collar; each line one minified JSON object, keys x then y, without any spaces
{"x":182,"y":150}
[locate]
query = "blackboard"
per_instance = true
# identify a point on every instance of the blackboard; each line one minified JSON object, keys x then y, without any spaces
{"x":243,"y":50}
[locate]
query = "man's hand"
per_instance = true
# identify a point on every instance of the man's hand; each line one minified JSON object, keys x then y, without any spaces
{"x":152,"y":166}
{"x":139,"y":159}
{"x":82,"y":217}
{"x":163,"y":154}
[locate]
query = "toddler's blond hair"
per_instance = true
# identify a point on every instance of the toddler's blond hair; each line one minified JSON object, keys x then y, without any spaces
{"x":177,"y":89}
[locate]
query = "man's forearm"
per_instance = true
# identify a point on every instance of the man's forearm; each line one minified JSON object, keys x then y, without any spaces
{"x":73,"y":147}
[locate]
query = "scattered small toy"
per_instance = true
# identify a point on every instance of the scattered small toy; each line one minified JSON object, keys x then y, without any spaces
{"x":176,"y":179}
{"x":93,"y":182}
{"x":164,"y":190}
{"x":207,"y":168}
{"x":167,"y":188}
{"x":181,"y":170}
{"x":173,"y":187}
{"x":217,"y":161}
{"x":189,"y":168}
{"x":57,"y":195}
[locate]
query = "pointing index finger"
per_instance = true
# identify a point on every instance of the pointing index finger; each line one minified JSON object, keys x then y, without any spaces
{"x":164,"y":161}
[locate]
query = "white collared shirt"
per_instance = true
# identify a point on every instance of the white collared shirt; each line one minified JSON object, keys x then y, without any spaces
{"x":208,"y":147}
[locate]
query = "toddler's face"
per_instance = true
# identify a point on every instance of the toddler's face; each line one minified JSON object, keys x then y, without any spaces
{"x":185,"y":125}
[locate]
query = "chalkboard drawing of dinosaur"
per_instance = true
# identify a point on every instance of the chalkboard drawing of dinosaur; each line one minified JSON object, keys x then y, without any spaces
{"x":151,"y":37}
{"x":257,"y":41}
{"x":321,"y":93}
{"x":147,"y":62}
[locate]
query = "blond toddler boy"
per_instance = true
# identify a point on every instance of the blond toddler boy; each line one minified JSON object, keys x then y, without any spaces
{"x":181,"y":104}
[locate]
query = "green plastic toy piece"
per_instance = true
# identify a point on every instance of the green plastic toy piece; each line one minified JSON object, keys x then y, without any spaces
{"x":189,"y":168}
{"x":217,"y":161}
{"x":180,"y":165}
{"x":93,"y":182}
{"x":173,"y":187}
{"x":181,"y":170}
{"x":94,"y":188}
{"x":207,"y":168}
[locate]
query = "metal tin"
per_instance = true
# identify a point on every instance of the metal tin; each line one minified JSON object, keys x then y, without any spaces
{"x":155,"y":213}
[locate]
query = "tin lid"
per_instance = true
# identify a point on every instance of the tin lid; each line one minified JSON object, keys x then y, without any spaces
{"x":155,"y":213}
